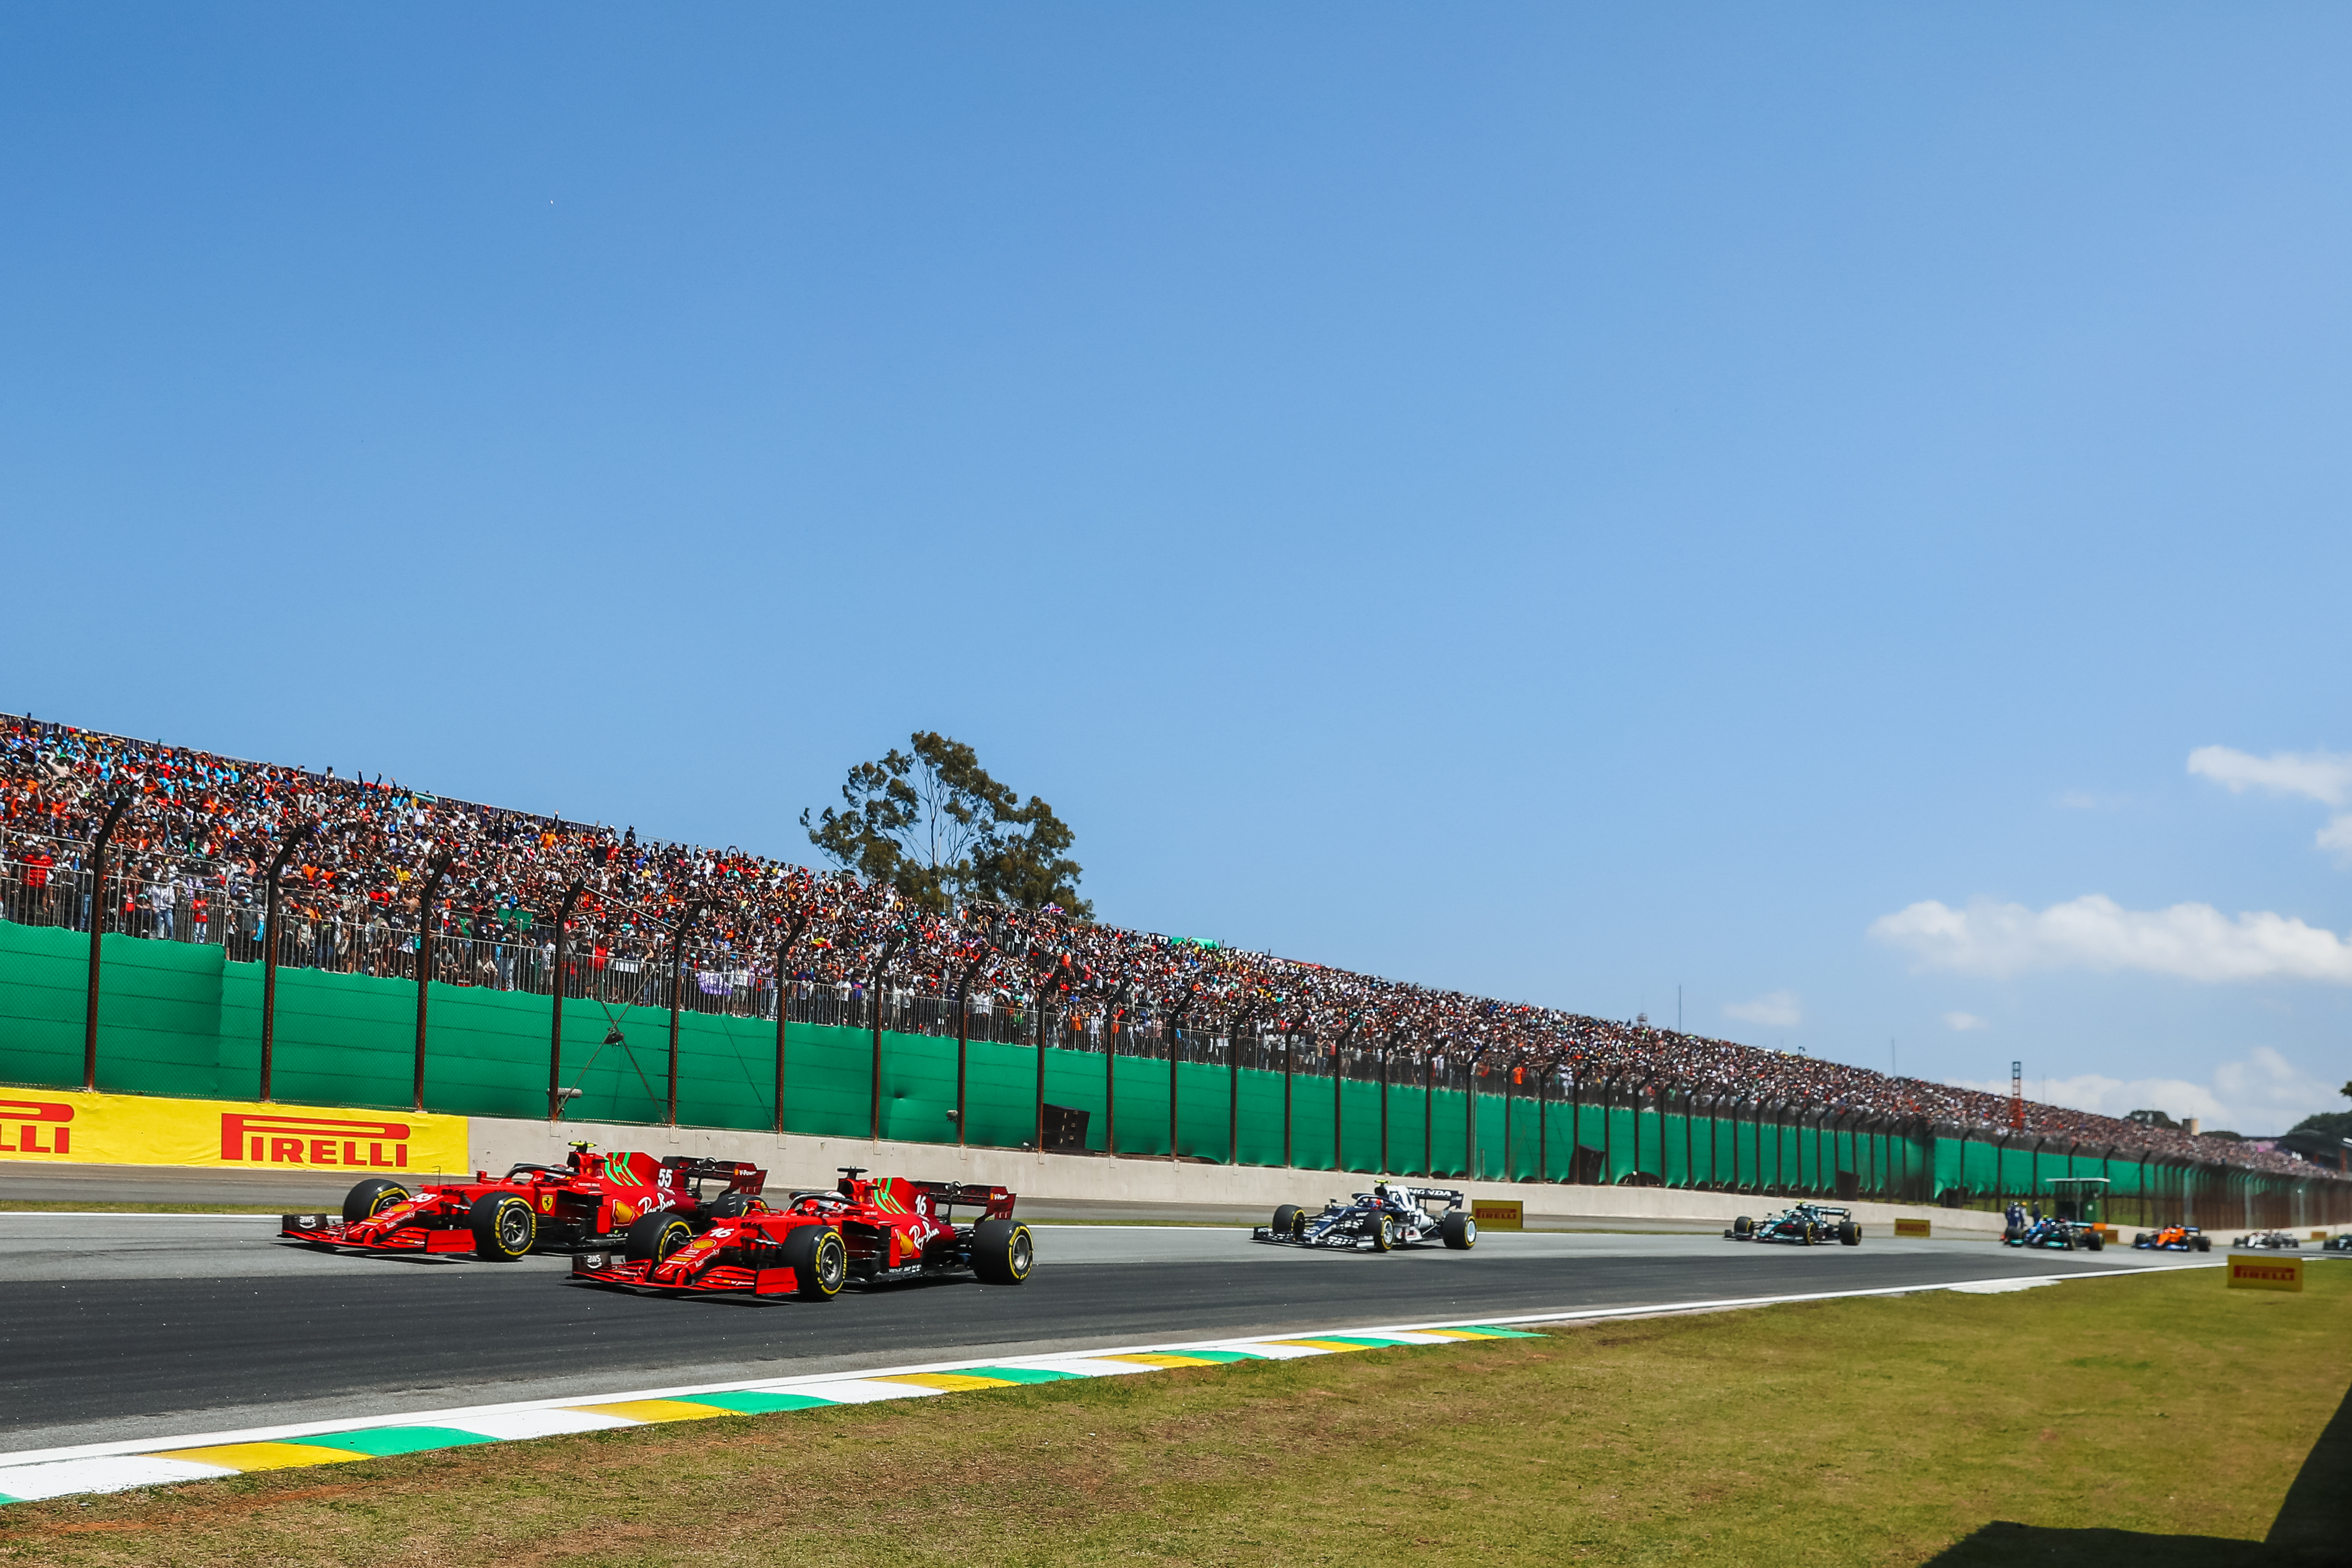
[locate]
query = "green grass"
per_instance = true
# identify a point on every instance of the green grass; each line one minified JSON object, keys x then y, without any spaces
{"x":1887,"y":1430}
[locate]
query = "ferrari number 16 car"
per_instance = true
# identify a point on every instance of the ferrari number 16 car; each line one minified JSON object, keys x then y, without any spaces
{"x":2174,"y":1238}
{"x":593,"y":1200}
{"x":1806,"y":1224}
{"x":868,"y":1229}
{"x":1383,"y":1219}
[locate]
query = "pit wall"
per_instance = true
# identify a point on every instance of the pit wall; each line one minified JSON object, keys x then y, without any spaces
{"x":801,"y":1162}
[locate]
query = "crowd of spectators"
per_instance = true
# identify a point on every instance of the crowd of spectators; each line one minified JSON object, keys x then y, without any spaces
{"x":197,"y":832}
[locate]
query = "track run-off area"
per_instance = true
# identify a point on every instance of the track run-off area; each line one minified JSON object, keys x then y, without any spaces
{"x":118,"y":1327}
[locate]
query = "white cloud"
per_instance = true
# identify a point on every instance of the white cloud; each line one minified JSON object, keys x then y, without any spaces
{"x":2337,"y":835}
{"x":2264,"y":1094}
{"x":2322,"y":776}
{"x":1961,"y":1023}
{"x":2195,"y":942}
{"x":1776,"y":1010}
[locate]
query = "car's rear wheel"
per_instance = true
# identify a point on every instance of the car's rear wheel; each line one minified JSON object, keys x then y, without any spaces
{"x":1287,"y":1219}
{"x":1458,"y":1230}
{"x":819,"y":1261}
{"x":1001,"y":1252}
{"x":2095,"y":1241}
{"x":1382,"y":1232}
{"x":1849,"y":1235}
{"x":2202,"y":1244}
{"x":654,"y":1237}
{"x":504,"y":1226}
{"x":372,"y":1197}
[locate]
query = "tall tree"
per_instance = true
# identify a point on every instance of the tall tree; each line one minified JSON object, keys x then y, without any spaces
{"x":932,"y":823}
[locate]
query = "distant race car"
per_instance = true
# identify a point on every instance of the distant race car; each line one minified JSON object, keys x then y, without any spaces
{"x":2057,"y":1235}
{"x":2174,"y":1238}
{"x":868,"y":1229}
{"x":2269,"y":1241}
{"x":1807,"y":1225}
{"x":1381,"y":1220}
{"x":592,"y":1200}
{"x":2337,"y":1243}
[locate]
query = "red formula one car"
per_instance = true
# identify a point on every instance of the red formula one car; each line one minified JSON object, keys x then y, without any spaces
{"x":633,"y":1201}
{"x":868,"y":1229}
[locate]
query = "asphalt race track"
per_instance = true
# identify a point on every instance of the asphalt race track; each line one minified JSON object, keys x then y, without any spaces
{"x":121,"y":1326}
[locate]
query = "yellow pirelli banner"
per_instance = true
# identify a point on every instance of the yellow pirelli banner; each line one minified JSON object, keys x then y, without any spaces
{"x":1499,"y":1214}
{"x":72,"y":1128}
{"x":2265,"y":1273}
{"x":1925,"y":1227}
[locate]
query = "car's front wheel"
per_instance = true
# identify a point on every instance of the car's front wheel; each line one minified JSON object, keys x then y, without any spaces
{"x":1382,"y":1232}
{"x":504,"y":1226}
{"x":654,"y":1237}
{"x":371,"y":1198}
{"x":1289,"y":1219}
{"x":819,"y":1261}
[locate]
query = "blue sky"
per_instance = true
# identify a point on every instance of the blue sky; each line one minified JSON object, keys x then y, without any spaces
{"x":1562,"y":502}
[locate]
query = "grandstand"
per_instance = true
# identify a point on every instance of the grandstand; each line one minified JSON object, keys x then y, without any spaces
{"x":379,"y":877}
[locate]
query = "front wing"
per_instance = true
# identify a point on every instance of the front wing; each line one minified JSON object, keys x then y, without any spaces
{"x":328,"y":1232}
{"x":720,"y":1278}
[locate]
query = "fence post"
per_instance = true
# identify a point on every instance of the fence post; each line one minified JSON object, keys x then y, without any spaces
{"x":432,"y":875}
{"x":676,"y":995}
{"x":783,"y":955}
{"x":1339,"y":1149}
{"x":1387,"y":1042}
{"x":555,"y":1014}
{"x":1469,"y":1120}
{"x":1428,"y":1113}
{"x":874,"y":993}
{"x":1288,"y":1037}
{"x":114,"y":810}
{"x":1174,"y":1029}
{"x":1112,"y":1013}
{"x":1233,"y":1088}
{"x":963,"y":1043}
{"x":301,"y":830}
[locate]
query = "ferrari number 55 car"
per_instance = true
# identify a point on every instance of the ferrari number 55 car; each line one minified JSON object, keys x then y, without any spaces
{"x":1383,"y":1219}
{"x":868,"y":1229}
{"x":592,"y":1200}
{"x":1806,"y":1224}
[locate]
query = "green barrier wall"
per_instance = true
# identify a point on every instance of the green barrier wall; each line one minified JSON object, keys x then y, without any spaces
{"x":179,"y":1019}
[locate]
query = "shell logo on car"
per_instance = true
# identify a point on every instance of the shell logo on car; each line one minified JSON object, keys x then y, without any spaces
{"x":134,"y":1129}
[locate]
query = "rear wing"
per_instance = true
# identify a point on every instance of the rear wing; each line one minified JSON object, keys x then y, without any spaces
{"x":1426,"y":1195}
{"x":995,"y":1203}
{"x":741,"y":1175}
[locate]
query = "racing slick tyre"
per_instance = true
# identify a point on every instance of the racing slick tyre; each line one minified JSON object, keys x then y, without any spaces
{"x":504,"y":1226}
{"x":1001,"y":1252}
{"x":2095,"y":1241}
{"x":1286,"y":1222}
{"x":371,"y":1198}
{"x":1382,"y":1233}
{"x":2201,"y":1244}
{"x":1813,"y":1234}
{"x":1743,"y":1228}
{"x":1458,"y":1230}
{"x":819,"y":1261}
{"x":2139,"y":1238}
{"x":654,"y":1237}
{"x":1849,"y":1235}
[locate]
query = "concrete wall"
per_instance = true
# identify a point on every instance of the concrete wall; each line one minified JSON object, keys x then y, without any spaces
{"x":797,"y":1161}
